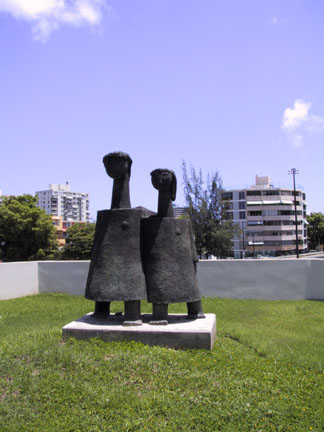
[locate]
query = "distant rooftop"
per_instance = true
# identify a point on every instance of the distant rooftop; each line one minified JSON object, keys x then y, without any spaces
{"x":63,"y":187}
{"x":264,"y":182}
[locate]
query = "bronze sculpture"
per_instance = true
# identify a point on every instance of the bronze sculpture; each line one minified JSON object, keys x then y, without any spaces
{"x":137,"y":254}
{"x":116,"y":268}
{"x":169,"y":254}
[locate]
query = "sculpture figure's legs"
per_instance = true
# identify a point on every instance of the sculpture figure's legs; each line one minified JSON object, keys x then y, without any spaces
{"x":132,"y":313}
{"x":160,"y":314}
{"x":195,"y":310}
{"x":102,"y":309}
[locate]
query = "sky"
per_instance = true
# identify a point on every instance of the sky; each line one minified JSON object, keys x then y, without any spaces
{"x":234,"y":86}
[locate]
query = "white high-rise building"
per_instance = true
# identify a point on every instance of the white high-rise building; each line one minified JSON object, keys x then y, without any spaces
{"x":59,"y":200}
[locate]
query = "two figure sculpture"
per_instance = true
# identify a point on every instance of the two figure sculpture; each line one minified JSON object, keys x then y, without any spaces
{"x":138,"y":254}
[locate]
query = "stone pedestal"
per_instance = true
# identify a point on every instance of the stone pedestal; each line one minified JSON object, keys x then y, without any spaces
{"x":180,"y":333}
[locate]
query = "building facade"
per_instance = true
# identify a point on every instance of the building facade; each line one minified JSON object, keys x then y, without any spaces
{"x":59,"y":200}
{"x":61,"y":229}
{"x":179,"y":211}
{"x":266,"y":216}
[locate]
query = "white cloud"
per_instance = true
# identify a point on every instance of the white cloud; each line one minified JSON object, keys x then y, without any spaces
{"x":298,"y":121}
{"x":294,"y":117}
{"x":47,"y":15}
{"x":274,"y":21}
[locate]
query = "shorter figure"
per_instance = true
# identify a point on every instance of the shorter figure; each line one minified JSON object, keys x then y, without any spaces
{"x":169,"y":254}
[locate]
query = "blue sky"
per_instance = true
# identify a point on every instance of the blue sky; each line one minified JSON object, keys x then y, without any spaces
{"x":228,"y":85}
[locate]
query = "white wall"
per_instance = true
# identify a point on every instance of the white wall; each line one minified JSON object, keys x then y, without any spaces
{"x":63,"y":276}
{"x":18,"y":279}
{"x":289,"y":279}
{"x":286,"y":279}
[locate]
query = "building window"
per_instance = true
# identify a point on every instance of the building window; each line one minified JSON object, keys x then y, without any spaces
{"x":227,"y":195}
{"x":272,"y":222}
{"x":241,"y":205}
{"x":253,"y":193}
{"x":255,"y":213}
{"x":242,"y":215}
{"x":270,"y":212}
{"x":257,"y":222}
{"x":271,"y":192}
{"x":241,"y":195}
{"x":288,"y":212}
{"x":286,"y":192}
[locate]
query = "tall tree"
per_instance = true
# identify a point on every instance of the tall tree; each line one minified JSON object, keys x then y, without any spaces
{"x":26,"y":231}
{"x":315,"y":230}
{"x":213,"y":230}
{"x":79,"y":242}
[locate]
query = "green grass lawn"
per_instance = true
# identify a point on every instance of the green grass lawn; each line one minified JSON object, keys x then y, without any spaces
{"x":265,"y":373}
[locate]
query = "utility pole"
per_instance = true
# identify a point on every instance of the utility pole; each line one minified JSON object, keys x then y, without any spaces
{"x":294,"y":172}
{"x":243,"y":246}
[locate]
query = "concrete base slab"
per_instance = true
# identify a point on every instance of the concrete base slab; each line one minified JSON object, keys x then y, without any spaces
{"x":180,"y":333}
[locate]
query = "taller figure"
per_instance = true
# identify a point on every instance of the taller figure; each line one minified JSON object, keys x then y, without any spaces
{"x":169,"y":254}
{"x":115,"y":271}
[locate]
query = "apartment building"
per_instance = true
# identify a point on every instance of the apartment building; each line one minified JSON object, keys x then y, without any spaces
{"x":179,"y":211}
{"x":266,"y":215}
{"x":59,"y":200}
{"x":61,"y":229}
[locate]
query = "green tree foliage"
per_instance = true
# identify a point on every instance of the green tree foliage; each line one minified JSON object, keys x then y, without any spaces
{"x":26,"y":231}
{"x":315,"y":230}
{"x":79,"y":241}
{"x":213,"y":230}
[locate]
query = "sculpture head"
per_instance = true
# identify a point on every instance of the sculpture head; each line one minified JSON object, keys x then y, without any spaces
{"x":164,"y":179}
{"x":117,"y":164}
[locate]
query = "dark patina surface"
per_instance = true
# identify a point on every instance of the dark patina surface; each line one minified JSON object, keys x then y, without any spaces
{"x":137,"y":254}
{"x":169,"y":260}
{"x":116,"y":271}
{"x":169,"y":254}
